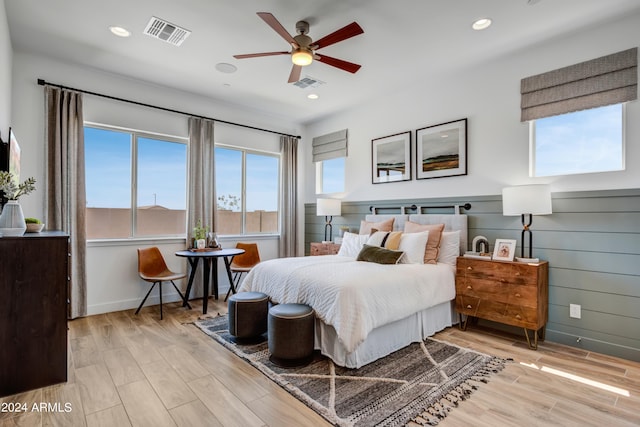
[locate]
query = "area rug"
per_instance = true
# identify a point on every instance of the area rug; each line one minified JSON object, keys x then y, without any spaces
{"x":420,"y":383}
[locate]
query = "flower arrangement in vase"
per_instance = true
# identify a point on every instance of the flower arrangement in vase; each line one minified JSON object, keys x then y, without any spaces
{"x":12,"y":219}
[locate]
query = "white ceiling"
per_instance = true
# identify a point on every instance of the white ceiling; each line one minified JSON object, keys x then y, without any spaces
{"x":404,"y":42}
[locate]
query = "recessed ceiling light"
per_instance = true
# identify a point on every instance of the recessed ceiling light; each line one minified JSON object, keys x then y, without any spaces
{"x":223,"y":67}
{"x":481,"y":24}
{"x":312,"y":96}
{"x":120,"y":31}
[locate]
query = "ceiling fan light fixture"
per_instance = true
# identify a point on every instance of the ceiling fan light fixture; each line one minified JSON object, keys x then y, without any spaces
{"x":302,"y":57}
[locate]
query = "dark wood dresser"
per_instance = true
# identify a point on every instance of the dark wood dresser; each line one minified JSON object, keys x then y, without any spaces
{"x":513,"y":293}
{"x":33,"y":311}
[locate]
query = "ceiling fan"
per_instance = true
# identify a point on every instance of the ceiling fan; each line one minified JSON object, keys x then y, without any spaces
{"x":303,"y":48}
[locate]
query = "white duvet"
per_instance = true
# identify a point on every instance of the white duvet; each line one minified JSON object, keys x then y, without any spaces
{"x":354,"y":297}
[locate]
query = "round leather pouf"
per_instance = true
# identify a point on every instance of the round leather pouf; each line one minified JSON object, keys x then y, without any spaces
{"x":291,"y":334}
{"x":247,"y":315}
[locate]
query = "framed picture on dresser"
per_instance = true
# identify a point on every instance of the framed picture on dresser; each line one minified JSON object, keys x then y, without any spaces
{"x":504,"y":250}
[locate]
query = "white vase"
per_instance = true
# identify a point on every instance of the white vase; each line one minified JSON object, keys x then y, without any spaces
{"x":12,"y":220}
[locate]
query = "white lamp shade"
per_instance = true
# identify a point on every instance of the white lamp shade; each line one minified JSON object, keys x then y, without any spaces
{"x":526,"y":199}
{"x":329,"y":207}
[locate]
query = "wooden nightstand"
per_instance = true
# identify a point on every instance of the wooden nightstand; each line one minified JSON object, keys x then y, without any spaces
{"x":317,"y":248}
{"x":513,"y":293}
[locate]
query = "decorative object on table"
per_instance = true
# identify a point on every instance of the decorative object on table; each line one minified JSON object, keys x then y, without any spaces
{"x":504,"y":250}
{"x":480,"y":246}
{"x":391,"y":158}
{"x":200,"y":236}
{"x":526,"y":201}
{"x":212,"y":241}
{"x":328,"y":208}
{"x":441,"y":150}
{"x":403,"y":386}
{"x":34,"y":225}
{"x":12,"y":219}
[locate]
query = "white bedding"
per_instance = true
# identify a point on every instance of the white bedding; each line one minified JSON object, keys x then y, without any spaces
{"x":354,"y":297}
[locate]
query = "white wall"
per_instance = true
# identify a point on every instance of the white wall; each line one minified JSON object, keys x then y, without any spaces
{"x":6,"y":60}
{"x":113,"y":283}
{"x":489,"y":97}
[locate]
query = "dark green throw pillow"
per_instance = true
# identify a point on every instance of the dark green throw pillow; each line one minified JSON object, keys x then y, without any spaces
{"x":379,"y":255}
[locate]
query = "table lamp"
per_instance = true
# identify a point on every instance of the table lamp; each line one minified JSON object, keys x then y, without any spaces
{"x":526,"y":201}
{"x":328,"y":208}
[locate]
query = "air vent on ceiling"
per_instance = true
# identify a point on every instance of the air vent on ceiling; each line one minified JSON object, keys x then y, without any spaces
{"x":308,"y":82}
{"x":166,"y":31}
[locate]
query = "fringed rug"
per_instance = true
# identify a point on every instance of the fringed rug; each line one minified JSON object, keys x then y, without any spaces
{"x":419,"y":383}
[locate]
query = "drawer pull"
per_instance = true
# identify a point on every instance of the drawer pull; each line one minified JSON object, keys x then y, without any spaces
{"x":518,"y":317}
{"x":517,"y":295}
{"x":517,"y":273}
{"x":469,"y":268}
{"x":469,"y":306}
{"x":469,"y":287}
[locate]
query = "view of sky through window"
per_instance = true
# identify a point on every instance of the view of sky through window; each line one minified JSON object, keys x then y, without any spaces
{"x":580,"y":142}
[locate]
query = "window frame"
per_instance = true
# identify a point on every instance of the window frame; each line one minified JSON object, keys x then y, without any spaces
{"x":244,"y":151}
{"x":533,"y":144}
{"x":135,"y":134}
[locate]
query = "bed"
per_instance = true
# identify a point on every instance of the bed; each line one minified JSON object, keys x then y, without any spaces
{"x":366,"y":310}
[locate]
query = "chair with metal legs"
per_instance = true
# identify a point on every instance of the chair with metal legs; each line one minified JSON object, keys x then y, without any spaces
{"x":153,"y":269}
{"x":243,"y":263}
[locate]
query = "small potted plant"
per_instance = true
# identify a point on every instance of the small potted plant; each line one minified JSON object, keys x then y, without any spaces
{"x":200,"y":235}
{"x":12,"y":219}
{"x":34,"y":225}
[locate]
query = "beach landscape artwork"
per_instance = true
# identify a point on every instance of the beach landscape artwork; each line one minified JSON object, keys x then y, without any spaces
{"x":441,"y":150}
{"x":391,"y":158}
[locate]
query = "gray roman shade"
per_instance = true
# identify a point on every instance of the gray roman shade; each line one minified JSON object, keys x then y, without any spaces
{"x":330,"y":146}
{"x":608,"y":80}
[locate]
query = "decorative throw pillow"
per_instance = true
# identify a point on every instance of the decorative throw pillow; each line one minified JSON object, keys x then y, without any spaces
{"x":352,"y":244}
{"x":449,"y":247}
{"x":393,"y":240}
{"x":413,"y":245}
{"x":366,"y":226}
{"x":377,"y":238}
{"x":379,"y":255}
{"x":435,"y":234}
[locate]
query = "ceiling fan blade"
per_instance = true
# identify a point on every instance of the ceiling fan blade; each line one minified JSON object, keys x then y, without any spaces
{"x":339,"y":63}
{"x":255,"y":55}
{"x":343,"y":33}
{"x":295,"y":74}
{"x":278,"y":28}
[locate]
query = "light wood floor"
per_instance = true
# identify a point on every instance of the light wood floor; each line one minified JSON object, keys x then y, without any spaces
{"x":140,"y":371}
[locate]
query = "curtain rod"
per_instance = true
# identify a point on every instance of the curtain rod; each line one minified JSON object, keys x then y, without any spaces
{"x":42,"y":82}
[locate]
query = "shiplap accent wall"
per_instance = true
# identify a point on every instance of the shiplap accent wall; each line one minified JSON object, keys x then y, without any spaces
{"x":592,"y":243}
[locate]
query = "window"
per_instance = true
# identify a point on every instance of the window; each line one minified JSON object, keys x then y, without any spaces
{"x":136,"y":184}
{"x":330,"y":176}
{"x":580,"y":142}
{"x":247,"y":184}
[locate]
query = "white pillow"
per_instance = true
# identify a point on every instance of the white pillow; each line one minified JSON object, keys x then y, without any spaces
{"x":352,"y":244}
{"x":413,"y":245}
{"x":449,"y":247}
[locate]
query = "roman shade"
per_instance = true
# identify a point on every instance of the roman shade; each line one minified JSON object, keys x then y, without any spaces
{"x":330,"y":146}
{"x":607,"y":80}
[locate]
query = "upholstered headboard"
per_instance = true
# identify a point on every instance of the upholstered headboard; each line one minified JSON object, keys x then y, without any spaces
{"x":452,"y":222}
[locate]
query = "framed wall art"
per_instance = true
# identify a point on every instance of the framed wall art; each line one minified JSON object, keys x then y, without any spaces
{"x":391,"y":158}
{"x":504,"y":250}
{"x":441,"y":150}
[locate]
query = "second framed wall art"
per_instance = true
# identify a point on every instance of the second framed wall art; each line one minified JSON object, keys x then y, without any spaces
{"x":441,"y":150}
